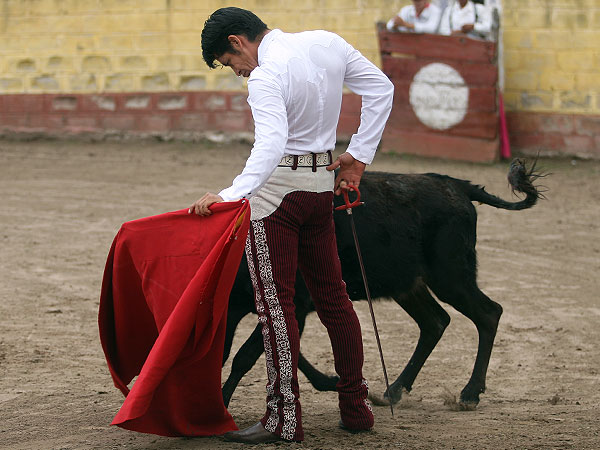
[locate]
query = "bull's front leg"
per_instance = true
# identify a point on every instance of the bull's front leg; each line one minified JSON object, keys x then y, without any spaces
{"x":319,"y":380}
{"x":243,"y":361}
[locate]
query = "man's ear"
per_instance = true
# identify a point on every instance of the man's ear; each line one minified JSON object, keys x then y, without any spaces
{"x":235,"y":42}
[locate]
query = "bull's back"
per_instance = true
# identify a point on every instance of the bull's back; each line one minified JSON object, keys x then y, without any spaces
{"x":396,"y":227}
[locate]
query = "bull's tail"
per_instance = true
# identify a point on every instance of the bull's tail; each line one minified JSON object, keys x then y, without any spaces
{"x":520,"y":180}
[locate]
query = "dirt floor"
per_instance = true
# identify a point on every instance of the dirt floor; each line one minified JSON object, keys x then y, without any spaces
{"x":63,"y":202}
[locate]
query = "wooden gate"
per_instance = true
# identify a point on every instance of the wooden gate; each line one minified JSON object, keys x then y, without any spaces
{"x":445,"y":100}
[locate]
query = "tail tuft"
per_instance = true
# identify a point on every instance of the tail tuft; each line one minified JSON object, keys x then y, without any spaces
{"x":521,"y":179}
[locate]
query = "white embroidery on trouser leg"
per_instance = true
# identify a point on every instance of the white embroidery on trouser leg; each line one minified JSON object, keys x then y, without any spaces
{"x":262,"y":318}
{"x":279,"y":326}
{"x":367,"y":403}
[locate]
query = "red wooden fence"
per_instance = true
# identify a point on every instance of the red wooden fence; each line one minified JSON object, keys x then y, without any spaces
{"x":445,"y":101}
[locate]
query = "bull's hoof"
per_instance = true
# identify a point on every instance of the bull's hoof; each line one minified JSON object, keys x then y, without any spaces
{"x":453,"y":404}
{"x":385,"y":399}
{"x":379,"y":401}
{"x":469,"y":398}
{"x":467,"y":406}
{"x":325,"y":383}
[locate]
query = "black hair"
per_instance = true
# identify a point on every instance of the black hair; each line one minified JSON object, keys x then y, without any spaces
{"x":223,"y":23}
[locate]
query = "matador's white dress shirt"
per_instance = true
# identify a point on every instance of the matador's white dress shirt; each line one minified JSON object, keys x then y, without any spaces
{"x":295,"y":95}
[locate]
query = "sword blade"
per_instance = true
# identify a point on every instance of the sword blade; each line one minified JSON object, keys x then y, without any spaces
{"x":364,"y":277}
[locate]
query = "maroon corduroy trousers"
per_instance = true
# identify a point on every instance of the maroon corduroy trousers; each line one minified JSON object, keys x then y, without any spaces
{"x":300,"y":235}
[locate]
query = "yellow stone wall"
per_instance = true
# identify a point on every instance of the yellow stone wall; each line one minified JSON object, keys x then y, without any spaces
{"x":551,"y":47}
{"x":552,"y":55}
{"x":85,"y":46}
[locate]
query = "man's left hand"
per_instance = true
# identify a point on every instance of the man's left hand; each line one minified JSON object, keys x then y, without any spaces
{"x":201,"y":207}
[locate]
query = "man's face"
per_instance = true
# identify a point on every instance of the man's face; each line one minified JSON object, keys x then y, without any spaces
{"x":244,"y":57}
{"x":419,"y":5}
{"x":239,"y":63}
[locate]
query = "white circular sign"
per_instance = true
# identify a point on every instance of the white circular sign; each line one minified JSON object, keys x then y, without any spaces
{"x":439,"y":96}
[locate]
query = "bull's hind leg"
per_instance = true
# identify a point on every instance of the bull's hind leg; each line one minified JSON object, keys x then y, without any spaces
{"x":319,"y":380}
{"x":432,"y":321}
{"x":468,"y":299}
{"x":452,"y":276}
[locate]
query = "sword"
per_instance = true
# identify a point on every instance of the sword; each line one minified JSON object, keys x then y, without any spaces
{"x":348,"y":207}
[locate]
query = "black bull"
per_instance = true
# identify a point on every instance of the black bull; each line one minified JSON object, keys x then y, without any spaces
{"x":417,"y":234}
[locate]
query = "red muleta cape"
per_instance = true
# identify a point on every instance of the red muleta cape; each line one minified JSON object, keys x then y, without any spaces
{"x":162,"y":316}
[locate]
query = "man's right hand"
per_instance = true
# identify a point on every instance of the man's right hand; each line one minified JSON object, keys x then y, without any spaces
{"x":200,"y":206}
{"x":351,"y":171}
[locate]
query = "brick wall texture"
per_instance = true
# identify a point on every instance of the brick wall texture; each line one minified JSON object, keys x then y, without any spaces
{"x":89,"y":64}
{"x":149,"y":45}
{"x":552,"y":81}
{"x":552,"y":55}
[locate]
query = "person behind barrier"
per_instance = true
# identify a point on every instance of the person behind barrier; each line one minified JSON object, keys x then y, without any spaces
{"x":419,"y":17}
{"x":464,"y":17}
{"x":295,"y":85}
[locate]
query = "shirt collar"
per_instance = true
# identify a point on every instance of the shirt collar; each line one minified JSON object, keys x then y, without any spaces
{"x":465,"y":8}
{"x":266,"y":41}
{"x":422,"y":11}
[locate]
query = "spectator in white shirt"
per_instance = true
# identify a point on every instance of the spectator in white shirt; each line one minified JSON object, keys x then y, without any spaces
{"x":463,"y":17}
{"x":295,"y":86}
{"x":420,"y":17}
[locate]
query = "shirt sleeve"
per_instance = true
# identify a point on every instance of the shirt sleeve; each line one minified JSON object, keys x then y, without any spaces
{"x":483,"y":25}
{"x":363,"y":78}
{"x":432,"y":23}
{"x":265,"y":98}
{"x":445,"y":22}
{"x":404,"y":14}
{"x":390,"y":24}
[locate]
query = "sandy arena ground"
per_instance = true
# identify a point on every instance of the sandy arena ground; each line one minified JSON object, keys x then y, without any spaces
{"x":63,"y":202}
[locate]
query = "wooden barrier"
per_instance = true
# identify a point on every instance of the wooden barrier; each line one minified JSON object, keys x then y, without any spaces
{"x":445,"y":100}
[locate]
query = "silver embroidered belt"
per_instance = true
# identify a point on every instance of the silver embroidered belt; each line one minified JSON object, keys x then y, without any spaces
{"x":313,"y":160}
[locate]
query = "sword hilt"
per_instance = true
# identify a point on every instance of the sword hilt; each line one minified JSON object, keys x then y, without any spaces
{"x":347,"y":204}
